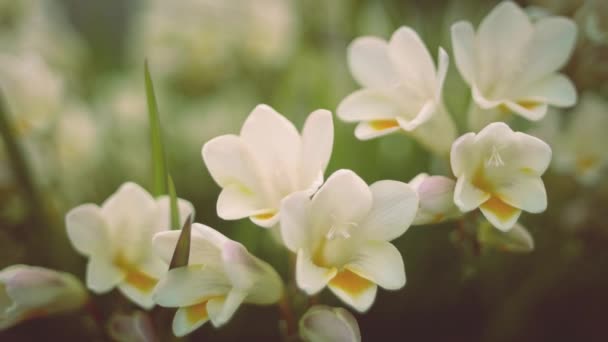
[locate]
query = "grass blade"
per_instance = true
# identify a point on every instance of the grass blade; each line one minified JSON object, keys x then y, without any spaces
{"x":175,"y":219}
{"x":182,"y":249}
{"x":159,"y":161}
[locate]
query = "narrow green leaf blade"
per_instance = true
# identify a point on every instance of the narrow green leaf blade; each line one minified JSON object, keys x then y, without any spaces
{"x":182,"y":249}
{"x":175,"y":219}
{"x":159,"y":162}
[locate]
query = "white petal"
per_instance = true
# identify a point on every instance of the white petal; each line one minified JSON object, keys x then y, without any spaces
{"x":325,"y":324}
{"x":501,"y":37}
{"x":267,"y":218}
{"x":443,"y":62}
{"x":133,"y":218}
{"x":237,"y":202}
{"x":424,"y":115}
{"x":141,"y":298}
{"x":463,"y":43}
{"x":436,"y":198}
{"x":185,"y":286}
{"x":369,"y":62}
{"x":555,"y":89}
{"x":230,"y":162}
{"x":500,"y":214}
{"x":368,"y":105}
{"x":360,"y":300}
{"x":526,"y":193}
{"x":87,"y":230}
{"x":533,"y":113}
{"x":310,"y":277}
{"x":369,"y":130}
{"x":184,"y":209}
{"x":317,"y":144}
{"x":412,"y":60}
{"x":275,"y":144}
{"x":222,"y":309}
{"x":462,"y":156}
{"x":344,"y":198}
{"x":467,"y":197}
{"x":102,"y":275}
{"x":438,"y":133}
{"x":188,"y":319}
{"x":549,"y":49}
{"x":295,"y":224}
{"x":380,"y":262}
{"x":205,"y":244}
{"x":534,"y":155}
{"x":393,"y":210}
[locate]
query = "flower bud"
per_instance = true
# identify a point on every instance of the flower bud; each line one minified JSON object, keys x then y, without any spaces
{"x":28,"y":292}
{"x":436,"y":199}
{"x":323,"y":323}
{"x":136,"y":327}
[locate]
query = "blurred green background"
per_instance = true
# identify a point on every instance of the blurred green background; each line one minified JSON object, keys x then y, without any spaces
{"x":212,"y":62}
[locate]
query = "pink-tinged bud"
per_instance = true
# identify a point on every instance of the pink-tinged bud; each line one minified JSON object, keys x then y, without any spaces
{"x":436,"y":199}
{"x":136,"y":327}
{"x":324,"y":324}
{"x":28,"y":292}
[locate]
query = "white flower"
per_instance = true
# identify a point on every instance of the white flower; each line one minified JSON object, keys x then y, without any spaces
{"x":341,"y":236}
{"x":499,"y":171}
{"x":581,"y":148}
{"x":220,"y":276}
{"x":268,"y":161}
{"x":401,"y":90}
{"x":326,"y":324}
{"x":117,"y":239}
{"x":436,"y":199}
{"x":28,"y":292}
{"x":511,"y":64}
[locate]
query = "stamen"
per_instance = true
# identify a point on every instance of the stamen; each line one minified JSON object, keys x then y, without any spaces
{"x":495,"y":159}
{"x":340,"y":229}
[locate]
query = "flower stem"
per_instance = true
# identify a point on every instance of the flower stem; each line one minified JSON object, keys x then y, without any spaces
{"x":288,"y":317}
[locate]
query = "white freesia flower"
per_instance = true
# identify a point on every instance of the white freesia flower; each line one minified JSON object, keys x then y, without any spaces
{"x":436,"y":199}
{"x":28,"y":292}
{"x":220,"y":276}
{"x":341,"y":236}
{"x":326,"y":324}
{"x":499,"y":171}
{"x":268,"y":161}
{"x":117,"y":239}
{"x":581,"y":148}
{"x":511,"y":64}
{"x":402,"y":90}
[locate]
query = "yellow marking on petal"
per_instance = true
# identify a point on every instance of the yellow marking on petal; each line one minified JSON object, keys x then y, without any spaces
{"x":351,"y":282}
{"x":502,"y":210}
{"x":528,"y":171}
{"x":528,"y":104}
{"x":134,"y":277}
{"x":265,"y":216}
{"x":380,"y":125}
{"x":585,"y":163}
{"x":196,"y":313}
{"x":480,"y":182}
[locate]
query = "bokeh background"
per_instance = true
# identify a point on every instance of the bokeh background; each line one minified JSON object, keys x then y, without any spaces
{"x":71,"y":72}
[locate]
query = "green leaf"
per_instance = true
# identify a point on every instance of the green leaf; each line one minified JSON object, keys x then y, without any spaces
{"x":159,"y":161}
{"x":182,"y":249}
{"x":516,"y":240}
{"x":175,"y":219}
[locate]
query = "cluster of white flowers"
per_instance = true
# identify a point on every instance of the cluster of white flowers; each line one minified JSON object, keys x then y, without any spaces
{"x":340,"y":229}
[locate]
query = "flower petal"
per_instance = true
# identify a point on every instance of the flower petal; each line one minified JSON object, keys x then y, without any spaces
{"x":102,"y":275}
{"x":556,"y":90}
{"x":237,"y":202}
{"x":462,"y":156}
{"x":369,"y":62}
{"x":310,"y":277}
{"x":184,"y":209}
{"x":189,"y":285}
{"x":317,"y":144}
{"x":463,"y":43}
{"x":87,"y":230}
{"x":205,"y":245}
{"x":324,"y":324}
{"x":393,"y":210}
{"x":526,"y":193}
{"x":142,"y":298}
{"x":344,"y":198}
{"x":502,"y":215}
{"x":534,"y":155}
{"x":222,"y":309}
{"x":354,"y":290}
{"x":373,"y":129}
{"x":412,"y":59}
{"x":187,"y":319}
{"x":466,"y":196}
{"x":380,"y":262}
{"x":533,"y":112}
{"x":369,"y":105}
{"x":295,"y":224}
